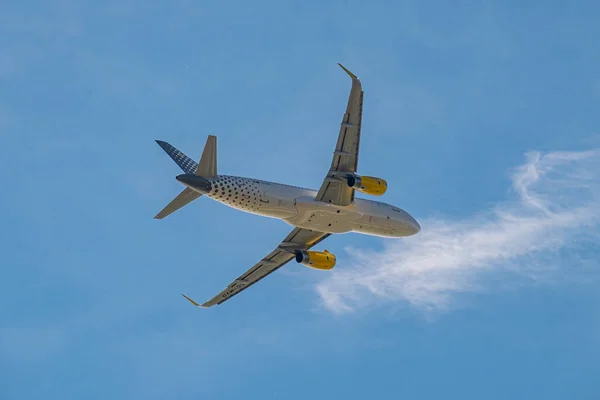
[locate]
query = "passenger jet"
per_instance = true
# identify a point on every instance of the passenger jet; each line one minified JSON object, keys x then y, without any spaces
{"x":314,"y":214}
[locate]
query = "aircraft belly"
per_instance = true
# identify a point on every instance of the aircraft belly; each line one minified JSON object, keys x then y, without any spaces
{"x":276,"y":208}
{"x":276,"y":203}
{"x":323,"y":217}
{"x":375,"y":228}
{"x":254,"y":197}
{"x":378,"y":225}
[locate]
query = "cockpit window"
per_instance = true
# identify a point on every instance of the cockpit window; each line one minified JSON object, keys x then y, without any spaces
{"x":395,"y":209}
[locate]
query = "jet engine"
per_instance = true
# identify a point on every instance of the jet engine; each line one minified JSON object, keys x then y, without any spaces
{"x":367,"y":184}
{"x":322,"y":260}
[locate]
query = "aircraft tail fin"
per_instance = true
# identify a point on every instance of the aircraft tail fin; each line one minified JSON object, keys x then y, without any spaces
{"x":207,"y":168}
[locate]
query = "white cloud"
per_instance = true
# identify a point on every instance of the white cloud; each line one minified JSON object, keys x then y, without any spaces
{"x":557,"y":204}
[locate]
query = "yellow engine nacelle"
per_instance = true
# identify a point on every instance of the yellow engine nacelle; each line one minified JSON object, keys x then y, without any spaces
{"x":368,"y":184}
{"x":322,"y":260}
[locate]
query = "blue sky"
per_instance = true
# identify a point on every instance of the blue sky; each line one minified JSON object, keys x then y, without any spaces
{"x":482,"y":117}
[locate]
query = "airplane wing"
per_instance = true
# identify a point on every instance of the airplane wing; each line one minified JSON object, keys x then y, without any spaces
{"x":297,"y":239}
{"x":345,"y":157}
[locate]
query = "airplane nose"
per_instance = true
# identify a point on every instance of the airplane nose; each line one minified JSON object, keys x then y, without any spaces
{"x":195,"y":182}
{"x":416,"y":227}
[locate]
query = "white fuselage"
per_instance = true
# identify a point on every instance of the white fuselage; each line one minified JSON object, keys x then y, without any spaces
{"x":298,"y":207}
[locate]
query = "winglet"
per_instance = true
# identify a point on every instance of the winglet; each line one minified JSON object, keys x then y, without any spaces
{"x":348,"y":72}
{"x":190,"y":300}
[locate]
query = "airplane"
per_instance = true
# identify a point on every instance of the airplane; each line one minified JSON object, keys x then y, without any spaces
{"x":314,"y":214}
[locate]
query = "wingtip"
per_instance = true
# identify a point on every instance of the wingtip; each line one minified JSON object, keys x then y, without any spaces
{"x":347,"y":71}
{"x":190,"y":300}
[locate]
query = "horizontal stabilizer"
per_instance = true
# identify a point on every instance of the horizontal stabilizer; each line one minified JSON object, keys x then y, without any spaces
{"x":184,"y":198}
{"x":186,"y":164}
{"x":208,"y":162}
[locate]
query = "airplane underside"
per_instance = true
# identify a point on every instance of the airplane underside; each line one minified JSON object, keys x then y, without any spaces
{"x":314,"y":214}
{"x":323,"y":217}
{"x":308,"y":213}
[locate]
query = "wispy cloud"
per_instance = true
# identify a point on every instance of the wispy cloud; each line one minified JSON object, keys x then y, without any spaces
{"x":556,"y":206}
